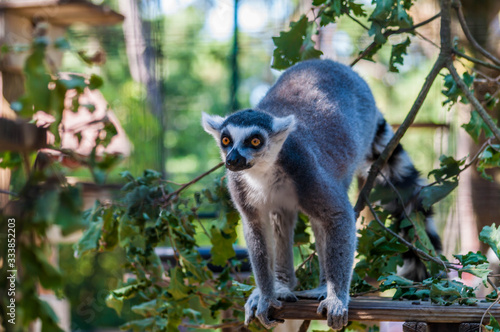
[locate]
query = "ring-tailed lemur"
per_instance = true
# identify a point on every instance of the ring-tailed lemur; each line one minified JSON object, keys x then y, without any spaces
{"x":298,"y":150}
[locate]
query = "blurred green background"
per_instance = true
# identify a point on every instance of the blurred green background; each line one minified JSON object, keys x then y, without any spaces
{"x":192,"y":46}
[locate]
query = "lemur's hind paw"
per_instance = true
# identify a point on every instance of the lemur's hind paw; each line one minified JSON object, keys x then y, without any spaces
{"x":284,"y":293}
{"x":318,"y":293}
{"x":336,"y":312}
{"x":260,"y":307}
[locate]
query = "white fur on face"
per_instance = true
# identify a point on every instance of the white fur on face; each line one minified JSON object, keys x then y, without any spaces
{"x":211,"y":124}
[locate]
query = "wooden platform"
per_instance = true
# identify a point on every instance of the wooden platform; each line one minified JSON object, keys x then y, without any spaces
{"x":384,"y":309}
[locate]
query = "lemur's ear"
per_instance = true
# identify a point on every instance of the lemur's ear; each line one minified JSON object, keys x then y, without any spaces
{"x":283,"y":126}
{"x":211,"y":124}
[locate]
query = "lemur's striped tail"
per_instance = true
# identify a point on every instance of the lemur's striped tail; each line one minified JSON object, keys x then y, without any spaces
{"x":400,"y":173}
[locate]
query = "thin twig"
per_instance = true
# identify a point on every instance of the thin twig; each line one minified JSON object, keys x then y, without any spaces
{"x":487,"y":310}
{"x":6,"y":192}
{"x":473,"y":100}
{"x":492,"y":284}
{"x":471,"y":59}
{"x":427,"y":40}
{"x":357,"y":21}
{"x":388,"y":33}
{"x":404,"y":208}
{"x":422,"y":254}
{"x":196,"y":179}
{"x":458,"y":8}
{"x":213,"y":327}
{"x":306,"y":260}
{"x":364,"y":293}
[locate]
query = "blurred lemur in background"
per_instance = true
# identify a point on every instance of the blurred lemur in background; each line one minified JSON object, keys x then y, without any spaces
{"x":298,"y":150}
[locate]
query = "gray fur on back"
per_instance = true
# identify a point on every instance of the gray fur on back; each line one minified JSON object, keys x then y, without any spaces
{"x":334,"y":108}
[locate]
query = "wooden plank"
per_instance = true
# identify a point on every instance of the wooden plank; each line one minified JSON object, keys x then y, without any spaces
{"x":63,"y":12}
{"x":21,"y":136}
{"x":379,"y":309}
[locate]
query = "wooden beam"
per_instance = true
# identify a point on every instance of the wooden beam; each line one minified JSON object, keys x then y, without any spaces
{"x":378,"y":309}
{"x":63,"y":12}
{"x":21,"y":136}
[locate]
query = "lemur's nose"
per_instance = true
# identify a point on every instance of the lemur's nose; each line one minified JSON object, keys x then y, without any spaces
{"x":235,"y":161}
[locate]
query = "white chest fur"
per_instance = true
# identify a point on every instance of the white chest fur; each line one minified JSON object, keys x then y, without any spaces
{"x":270,"y":189}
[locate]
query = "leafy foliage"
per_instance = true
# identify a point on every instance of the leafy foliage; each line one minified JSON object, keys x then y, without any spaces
{"x":295,"y":45}
{"x":43,"y":198}
{"x":143,"y":221}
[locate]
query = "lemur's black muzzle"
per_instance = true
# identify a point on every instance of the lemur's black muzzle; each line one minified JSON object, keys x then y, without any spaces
{"x":235,"y":161}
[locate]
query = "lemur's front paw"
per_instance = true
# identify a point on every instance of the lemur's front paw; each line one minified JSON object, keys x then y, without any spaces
{"x":336,"y":312}
{"x":259,"y":306}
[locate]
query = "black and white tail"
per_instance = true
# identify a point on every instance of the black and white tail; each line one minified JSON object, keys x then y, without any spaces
{"x":401,"y":174}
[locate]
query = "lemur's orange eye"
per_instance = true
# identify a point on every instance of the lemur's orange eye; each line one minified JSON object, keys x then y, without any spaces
{"x":226,"y":141}
{"x":255,"y":141}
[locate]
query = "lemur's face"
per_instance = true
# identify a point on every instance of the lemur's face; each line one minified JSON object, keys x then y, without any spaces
{"x":248,"y":138}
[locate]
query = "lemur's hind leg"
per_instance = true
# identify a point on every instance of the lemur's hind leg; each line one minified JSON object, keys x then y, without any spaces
{"x":318,"y":293}
{"x":283,"y":222}
{"x":336,"y":233}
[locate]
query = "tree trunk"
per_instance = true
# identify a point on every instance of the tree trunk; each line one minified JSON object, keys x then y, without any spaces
{"x":485,"y":195}
{"x":142,"y":63}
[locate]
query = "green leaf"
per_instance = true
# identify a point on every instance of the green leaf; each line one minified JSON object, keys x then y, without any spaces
{"x":453,"y":92}
{"x":476,"y":126}
{"x":149,"y":308}
{"x":300,"y":235}
{"x":69,"y":215}
{"x":397,"y":55}
{"x":35,"y":262}
{"x":90,"y":239}
{"x":95,"y":82}
{"x":46,"y":206}
{"x":109,"y":229}
{"x":490,"y":158}
{"x":48,"y":317}
{"x":177,"y":287}
{"x":223,"y":239}
{"x":449,"y":167}
{"x":433,"y":194}
{"x":114,"y":302}
{"x":37,"y":94}
{"x":472,"y":258}
{"x":491,"y":236}
{"x":128,"y":291}
{"x":393,"y":281}
{"x":493,"y":325}
{"x":444,"y":294}
{"x":146,"y":324}
{"x":295,"y":45}
{"x":479,"y":270}
{"x":384,"y":247}
{"x":243,"y":287}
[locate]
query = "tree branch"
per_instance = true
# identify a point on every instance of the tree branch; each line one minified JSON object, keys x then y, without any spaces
{"x":384,"y":156}
{"x":475,"y":103}
{"x":479,"y":62}
{"x":458,"y":8}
